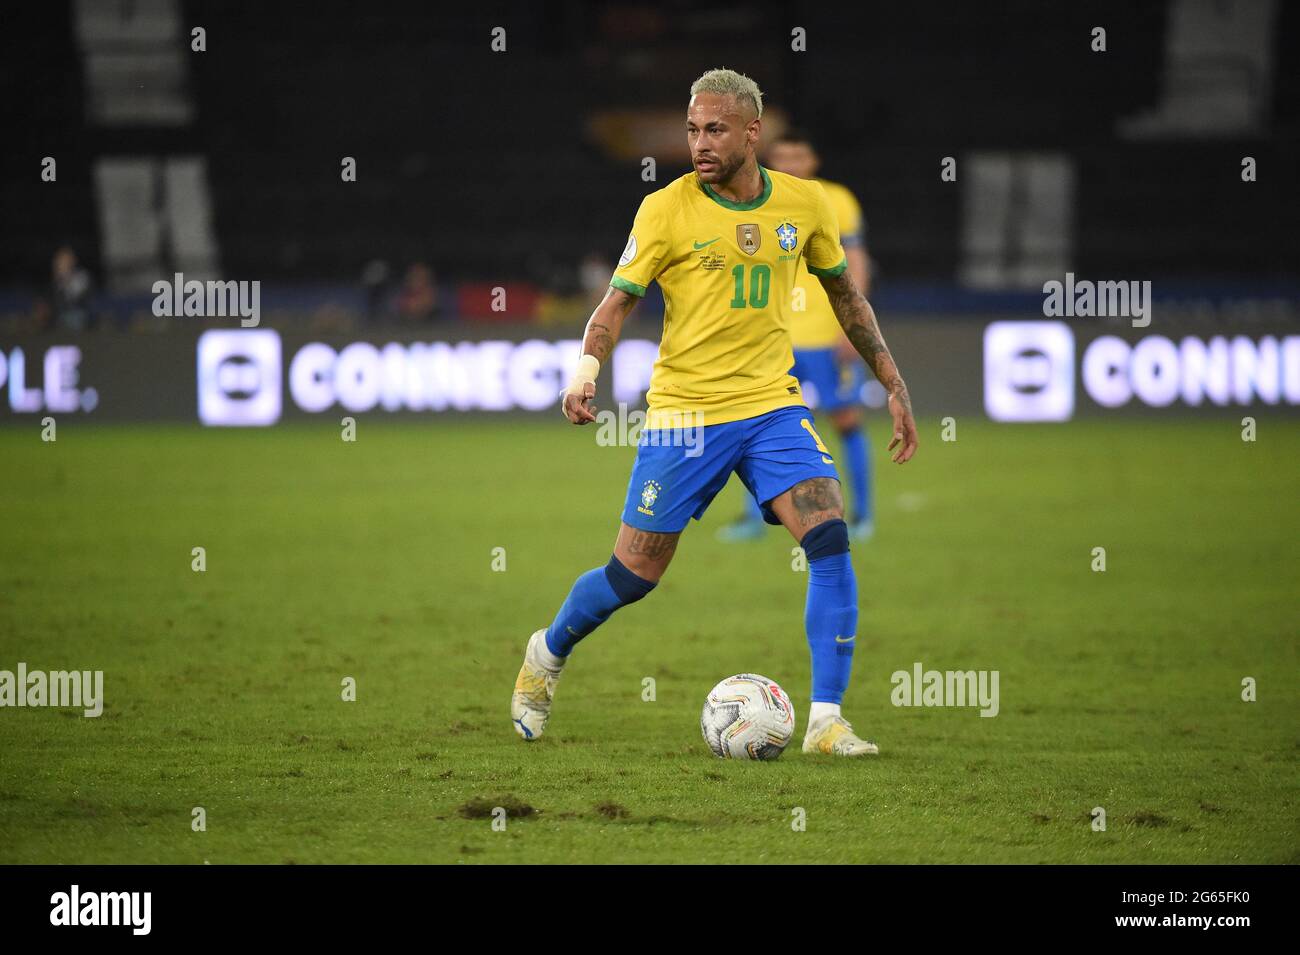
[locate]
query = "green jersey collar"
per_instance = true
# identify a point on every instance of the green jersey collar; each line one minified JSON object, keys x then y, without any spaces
{"x":740,"y":206}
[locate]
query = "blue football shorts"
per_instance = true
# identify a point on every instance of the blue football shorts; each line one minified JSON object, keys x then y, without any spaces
{"x":679,"y":471}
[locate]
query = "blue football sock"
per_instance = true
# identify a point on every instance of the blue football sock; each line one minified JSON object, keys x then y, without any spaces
{"x":831,"y":614}
{"x":857,"y":461}
{"x":595,"y":595}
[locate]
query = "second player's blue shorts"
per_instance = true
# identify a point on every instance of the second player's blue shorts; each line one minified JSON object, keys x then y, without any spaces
{"x":834,"y":384}
{"x":673,"y":481}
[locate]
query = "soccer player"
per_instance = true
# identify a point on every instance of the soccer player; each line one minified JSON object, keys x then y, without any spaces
{"x":823,"y":358}
{"x":725,"y":242}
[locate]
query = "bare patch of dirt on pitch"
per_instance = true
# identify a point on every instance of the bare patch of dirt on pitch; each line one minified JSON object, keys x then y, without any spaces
{"x":1151,"y":820}
{"x":612,"y":810}
{"x":482,"y":807}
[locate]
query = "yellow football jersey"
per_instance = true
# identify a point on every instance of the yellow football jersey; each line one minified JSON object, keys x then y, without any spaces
{"x":817,"y":326}
{"x":727,"y":271}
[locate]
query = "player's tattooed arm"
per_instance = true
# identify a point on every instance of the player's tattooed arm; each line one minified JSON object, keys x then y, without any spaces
{"x":598,"y":341}
{"x":859,"y":323}
{"x":606,"y":323}
{"x":858,"y":320}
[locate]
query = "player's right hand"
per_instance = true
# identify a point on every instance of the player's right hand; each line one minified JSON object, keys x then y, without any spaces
{"x":576,"y":402}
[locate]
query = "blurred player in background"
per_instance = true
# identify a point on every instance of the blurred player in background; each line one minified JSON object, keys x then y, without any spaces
{"x":825,"y":363}
{"x":726,"y":243}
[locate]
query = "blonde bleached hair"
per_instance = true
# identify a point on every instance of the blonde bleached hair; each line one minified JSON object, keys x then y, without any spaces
{"x":731,"y":83}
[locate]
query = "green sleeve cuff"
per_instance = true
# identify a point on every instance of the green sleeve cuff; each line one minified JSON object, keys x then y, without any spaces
{"x":632,"y":288}
{"x":831,"y":272}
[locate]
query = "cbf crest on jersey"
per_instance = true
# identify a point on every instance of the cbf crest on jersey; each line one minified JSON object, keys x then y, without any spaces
{"x":787,"y":236}
{"x":748,"y":238}
{"x":649,"y":494}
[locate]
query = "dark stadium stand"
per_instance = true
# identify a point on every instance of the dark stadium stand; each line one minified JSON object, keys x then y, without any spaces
{"x":479,"y":163}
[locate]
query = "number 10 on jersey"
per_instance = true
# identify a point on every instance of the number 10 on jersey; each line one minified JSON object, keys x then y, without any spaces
{"x":760,"y":284}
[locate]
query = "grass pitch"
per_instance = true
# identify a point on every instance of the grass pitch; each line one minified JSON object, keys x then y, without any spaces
{"x":374,"y":560}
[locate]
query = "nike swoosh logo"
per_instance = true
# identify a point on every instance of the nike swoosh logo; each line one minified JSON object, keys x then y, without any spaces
{"x":839,"y":639}
{"x":700,"y":245}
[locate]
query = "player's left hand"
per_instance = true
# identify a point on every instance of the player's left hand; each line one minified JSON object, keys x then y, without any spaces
{"x":904,"y":430}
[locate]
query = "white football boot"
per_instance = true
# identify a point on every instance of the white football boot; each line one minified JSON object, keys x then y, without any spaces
{"x":530,"y":706}
{"x":834,"y":736}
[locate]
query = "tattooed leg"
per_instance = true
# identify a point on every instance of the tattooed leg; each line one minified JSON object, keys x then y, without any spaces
{"x":645,"y":553}
{"x":808,"y":504}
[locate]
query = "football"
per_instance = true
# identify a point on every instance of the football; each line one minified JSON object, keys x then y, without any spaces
{"x":747,"y":716}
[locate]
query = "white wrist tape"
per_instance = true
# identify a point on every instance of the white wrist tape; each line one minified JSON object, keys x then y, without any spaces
{"x":588,"y":369}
